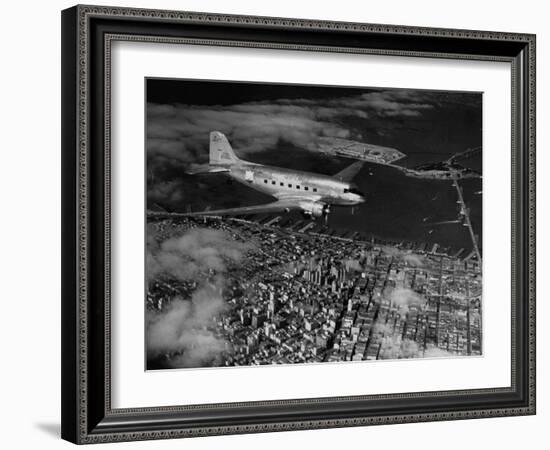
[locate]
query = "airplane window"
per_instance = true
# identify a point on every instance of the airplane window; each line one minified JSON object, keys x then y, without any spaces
{"x":273,"y":182}
{"x":282,"y":184}
{"x":297,"y":187}
{"x":314,"y":189}
{"x":265,"y":181}
{"x":306,"y":188}
{"x":289,"y":185}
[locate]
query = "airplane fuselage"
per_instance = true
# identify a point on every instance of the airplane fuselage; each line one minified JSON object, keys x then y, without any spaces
{"x":293,"y":190}
{"x":286,"y":183}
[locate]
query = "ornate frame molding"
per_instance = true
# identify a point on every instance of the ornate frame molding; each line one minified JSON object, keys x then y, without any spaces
{"x":80,"y":423}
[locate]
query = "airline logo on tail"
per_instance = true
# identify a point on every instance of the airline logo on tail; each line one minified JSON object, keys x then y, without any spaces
{"x":220,"y":150}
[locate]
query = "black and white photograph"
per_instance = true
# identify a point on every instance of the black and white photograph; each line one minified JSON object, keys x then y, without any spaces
{"x":275,"y":225}
{"x":297,"y":224}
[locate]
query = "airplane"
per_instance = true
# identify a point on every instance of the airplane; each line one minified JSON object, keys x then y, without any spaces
{"x":311,"y":193}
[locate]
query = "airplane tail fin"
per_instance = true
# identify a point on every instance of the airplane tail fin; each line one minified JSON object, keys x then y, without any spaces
{"x":220,"y":150}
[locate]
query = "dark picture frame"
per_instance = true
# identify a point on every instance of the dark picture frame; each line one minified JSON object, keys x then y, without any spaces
{"x":87,"y":34}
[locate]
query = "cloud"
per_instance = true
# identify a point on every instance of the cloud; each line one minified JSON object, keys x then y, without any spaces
{"x":394,"y":347}
{"x":383,"y":328}
{"x":198,"y":251}
{"x":435,"y":352}
{"x":407,"y":256}
{"x":414,"y":260}
{"x":205,"y":349}
{"x":391,"y":251}
{"x":177,"y":135}
{"x":165,"y":192}
{"x":395,"y":103}
{"x":184,"y":329}
{"x":403,"y":298}
{"x":353,"y":264}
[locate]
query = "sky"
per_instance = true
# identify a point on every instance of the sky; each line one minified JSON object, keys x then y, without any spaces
{"x":283,"y":125}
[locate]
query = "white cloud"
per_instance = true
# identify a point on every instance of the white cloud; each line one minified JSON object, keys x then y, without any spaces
{"x":184,"y":329}
{"x":178,"y":134}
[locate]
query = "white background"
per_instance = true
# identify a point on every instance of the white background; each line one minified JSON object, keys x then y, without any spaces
{"x":132,"y":387}
{"x":30,"y":187}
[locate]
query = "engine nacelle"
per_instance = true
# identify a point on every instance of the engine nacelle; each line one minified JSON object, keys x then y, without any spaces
{"x":314,"y":209}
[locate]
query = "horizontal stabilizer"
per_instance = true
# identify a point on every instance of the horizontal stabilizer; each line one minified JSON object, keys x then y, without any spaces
{"x":205,"y":168}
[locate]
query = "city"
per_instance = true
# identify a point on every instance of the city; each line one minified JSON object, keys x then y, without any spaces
{"x":304,"y":294}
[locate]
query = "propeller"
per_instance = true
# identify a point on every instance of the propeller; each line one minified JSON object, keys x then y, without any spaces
{"x":326,"y":211}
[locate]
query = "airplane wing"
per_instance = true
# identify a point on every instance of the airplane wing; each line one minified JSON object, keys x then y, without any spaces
{"x":349,"y":172}
{"x":283,"y":205}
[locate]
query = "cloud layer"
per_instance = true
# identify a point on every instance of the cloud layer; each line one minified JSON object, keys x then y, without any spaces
{"x":178,"y":134}
{"x":197,"y":252}
{"x":395,"y":347}
{"x":403,"y":298}
{"x":413,"y":259}
{"x":183,"y":330}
